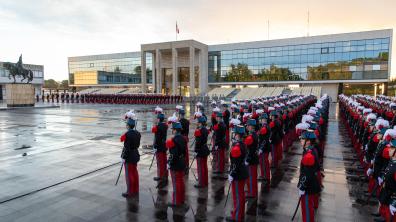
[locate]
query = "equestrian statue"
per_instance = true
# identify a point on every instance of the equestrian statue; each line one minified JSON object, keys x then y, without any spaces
{"x":17,"y":69}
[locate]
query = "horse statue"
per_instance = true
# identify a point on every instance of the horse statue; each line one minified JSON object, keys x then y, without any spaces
{"x":18,"y":70}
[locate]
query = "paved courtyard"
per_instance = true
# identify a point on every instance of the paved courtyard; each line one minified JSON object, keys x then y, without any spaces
{"x":73,"y":158}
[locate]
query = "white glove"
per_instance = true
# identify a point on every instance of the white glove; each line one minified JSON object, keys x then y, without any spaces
{"x":369,"y":172}
{"x":167,"y":166}
{"x":260,"y":152}
{"x":246,"y":163}
{"x":216,"y":147}
{"x":365,"y":147}
{"x":392,"y":209}
{"x":372,"y":161}
{"x":230,"y":178}
{"x":195,"y":154}
{"x":380,"y":181}
{"x":301,"y":192}
{"x":122,"y":161}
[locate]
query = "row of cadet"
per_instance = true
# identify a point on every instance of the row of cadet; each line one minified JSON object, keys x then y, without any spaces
{"x":371,"y":125}
{"x":110,"y":98}
{"x":259,"y":131}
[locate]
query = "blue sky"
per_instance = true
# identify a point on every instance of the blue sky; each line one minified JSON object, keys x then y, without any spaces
{"x":48,"y":31}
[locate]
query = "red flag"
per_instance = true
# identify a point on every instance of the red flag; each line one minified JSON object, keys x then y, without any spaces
{"x":177,"y":29}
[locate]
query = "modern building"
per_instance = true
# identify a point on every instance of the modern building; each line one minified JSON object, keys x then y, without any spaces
{"x":331,"y":61}
{"x":38,"y":78}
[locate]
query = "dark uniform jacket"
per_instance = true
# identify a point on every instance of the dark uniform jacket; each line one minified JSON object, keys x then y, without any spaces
{"x":276,"y":132}
{"x":160,"y":137}
{"x":380,"y":163}
{"x":185,"y":126}
{"x":264,"y":136}
{"x":130,"y":152}
{"x":251,"y":142}
{"x":388,"y":191}
{"x":177,"y":151}
{"x":226,"y":117}
{"x":220,"y":135}
{"x":201,"y":140}
{"x":238,"y":169}
{"x":308,"y":180}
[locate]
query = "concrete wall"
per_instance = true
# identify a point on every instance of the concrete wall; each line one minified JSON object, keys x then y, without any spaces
{"x":331,"y":90}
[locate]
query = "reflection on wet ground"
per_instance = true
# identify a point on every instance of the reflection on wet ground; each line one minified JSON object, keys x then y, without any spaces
{"x":71,"y":165}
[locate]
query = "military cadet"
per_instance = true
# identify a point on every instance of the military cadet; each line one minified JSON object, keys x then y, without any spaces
{"x":264,"y":150}
{"x":72,"y":97}
{"x":67,"y":97}
{"x":201,"y":152}
{"x":226,"y":120}
{"x":52,"y":97}
{"x":37,"y":97}
{"x":185,"y":131}
{"x":387,"y":196}
{"x":62,"y":97}
{"x":176,"y":164}
{"x":275,"y":138}
{"x":219,"y":145}
{"x":77,"y":98}
{"x":393,"y":109}
{"x":251,"y":142}
{"x":48,"y":97}
{"x":130,"y":156}
{"x":308,"y":183}
{"x":238,"y":174}
{"x":160,"y":133}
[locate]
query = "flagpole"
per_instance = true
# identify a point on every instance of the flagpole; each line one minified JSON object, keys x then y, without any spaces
{"x":176,"y":30}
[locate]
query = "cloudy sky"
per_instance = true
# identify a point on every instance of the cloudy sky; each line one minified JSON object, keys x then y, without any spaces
{"x":48,"y":31}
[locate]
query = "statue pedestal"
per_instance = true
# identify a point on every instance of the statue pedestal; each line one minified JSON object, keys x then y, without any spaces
{"x":19,"y":95}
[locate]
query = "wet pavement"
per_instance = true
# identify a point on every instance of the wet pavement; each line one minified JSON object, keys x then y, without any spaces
{"x":72,"y":161}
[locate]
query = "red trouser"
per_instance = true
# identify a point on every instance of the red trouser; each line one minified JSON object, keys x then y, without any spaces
{"x":252,"y":181}
{"x":279,"y":149}
{"x":178,"y":195}
{"x":202,"y":168}
{"x":274,"y":155}
{"x":187,"y":157}
{"x":219,"y":156}
{"x":238,"y":199}
{"x":387,"y":214}
{"x":162,"y":172}
{"x":307,"y":207}
{"x":131,"y":178}
{"x":265,"y":171}
{"x":227,"y":136}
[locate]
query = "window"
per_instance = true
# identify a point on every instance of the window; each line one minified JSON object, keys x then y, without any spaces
{"x":91,"y":65}
{"x":324,"y":50}
{"x":376,"y":67}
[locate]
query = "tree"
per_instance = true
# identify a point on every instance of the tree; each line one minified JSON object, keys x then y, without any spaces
{"x":51,"y":84}
{"x":117,"y":69}
{"x":239,"y":72}
{"x":64,"y":84}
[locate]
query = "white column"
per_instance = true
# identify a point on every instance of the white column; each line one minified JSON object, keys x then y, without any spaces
{"x":143,"y":71}
{"x":201,"y":72}
{"x":158,"y":71}
{"x":154,"y":73}
{"x":174,"y":71}
{"x":192,"y":71}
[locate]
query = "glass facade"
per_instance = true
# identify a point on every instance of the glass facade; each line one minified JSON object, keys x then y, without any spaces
{"x":120,"y":68}
{"x":339,"y":60}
